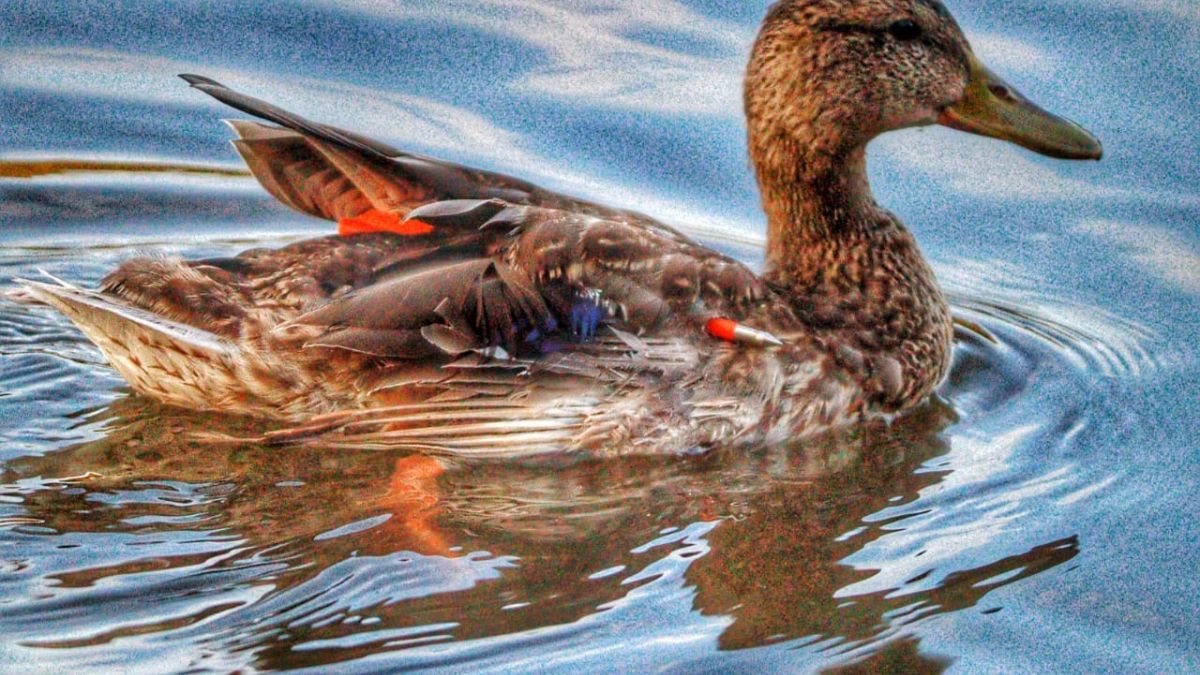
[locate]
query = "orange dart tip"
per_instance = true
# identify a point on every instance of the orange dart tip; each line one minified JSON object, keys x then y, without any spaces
{"x":732,"y":331}
{"x":381,"y":221}
{"x":722,"y":329}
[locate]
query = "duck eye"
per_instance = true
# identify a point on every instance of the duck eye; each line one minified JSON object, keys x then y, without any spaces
{"x":905,"y":29}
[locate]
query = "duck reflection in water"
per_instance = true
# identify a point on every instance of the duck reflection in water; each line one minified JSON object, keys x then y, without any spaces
{"x":774,"y":524}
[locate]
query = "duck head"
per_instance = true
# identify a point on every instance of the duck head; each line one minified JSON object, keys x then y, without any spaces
{"x":827,"y":76}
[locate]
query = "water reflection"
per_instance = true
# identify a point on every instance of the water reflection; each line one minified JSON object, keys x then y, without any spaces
{"x":304,"y":555}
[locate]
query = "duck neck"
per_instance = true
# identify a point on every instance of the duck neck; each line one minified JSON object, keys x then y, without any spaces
{"x":815,"y":208}
{"x":853,"y":274}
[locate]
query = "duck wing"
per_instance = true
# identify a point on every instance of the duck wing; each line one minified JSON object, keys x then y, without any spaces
{"x":337,"y":174}
{"x":582,"y":261}
{"x":542,"y":280}
{"x":444,"y":309}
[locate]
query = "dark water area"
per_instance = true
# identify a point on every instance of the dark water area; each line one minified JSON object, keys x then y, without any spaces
{"x":1038,"y":516}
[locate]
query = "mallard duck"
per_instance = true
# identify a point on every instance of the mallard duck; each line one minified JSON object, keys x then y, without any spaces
{"x":465,"y":311}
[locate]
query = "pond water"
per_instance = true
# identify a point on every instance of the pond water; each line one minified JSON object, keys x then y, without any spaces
{"x":1039,"y":515}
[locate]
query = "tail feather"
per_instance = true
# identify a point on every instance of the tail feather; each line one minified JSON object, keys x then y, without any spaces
{"x":170,"y":361}
{"x":90,"y":309}
{"x":288,"y":167}
{"x":394,"y":180}
{"x":288,"y":119}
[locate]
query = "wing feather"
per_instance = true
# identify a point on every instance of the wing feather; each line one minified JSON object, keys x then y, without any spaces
{"x":444,"y":309}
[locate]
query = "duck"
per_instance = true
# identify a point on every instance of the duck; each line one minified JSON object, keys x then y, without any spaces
{"x":471,"y":313}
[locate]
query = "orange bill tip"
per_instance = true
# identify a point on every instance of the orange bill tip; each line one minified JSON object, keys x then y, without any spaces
{"x":381,"y":221}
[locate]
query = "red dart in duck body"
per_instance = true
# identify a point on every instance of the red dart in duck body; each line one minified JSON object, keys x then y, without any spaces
{"x":732,"y":331}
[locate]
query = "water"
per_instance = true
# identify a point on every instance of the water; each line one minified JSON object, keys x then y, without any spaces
{"x":1039,"y":515}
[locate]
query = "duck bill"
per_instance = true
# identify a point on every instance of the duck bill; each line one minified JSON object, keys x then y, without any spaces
{"x":992,"y":107}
